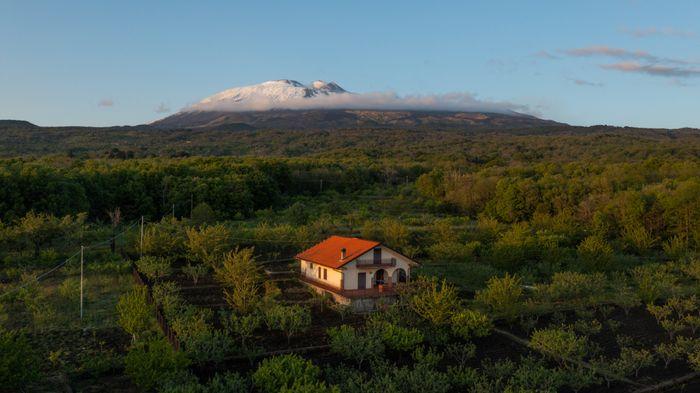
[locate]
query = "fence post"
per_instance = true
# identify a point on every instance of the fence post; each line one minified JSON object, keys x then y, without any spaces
{"x":82,"y":248}
{"x":141,"y":241}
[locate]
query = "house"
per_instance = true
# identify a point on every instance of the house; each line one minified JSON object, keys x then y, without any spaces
{"x":354,"y":271}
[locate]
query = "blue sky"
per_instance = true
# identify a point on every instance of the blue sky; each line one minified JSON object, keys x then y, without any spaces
{"x":620,"y":62}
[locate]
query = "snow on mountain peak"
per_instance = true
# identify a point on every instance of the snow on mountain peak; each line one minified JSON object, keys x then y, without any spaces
{"x":267,"y":95}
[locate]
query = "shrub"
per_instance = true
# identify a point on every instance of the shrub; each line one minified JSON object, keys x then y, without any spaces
{"x":568,"y":286}
{"x":162,"y":240}
{"x":153,"y":362}
{"x":283,"y":372}
{"x":229,"y":382}
{"x":559,"y":343}
{"x":675,"y":247}
{"x":652,"y":282}
{"x":452,"y":251}
{"x":191,"y":322}
{"x":195,"y":271}
{"x":154,"y":268}
{"x":211,"y":345}
{"x":434,"y":302}
{"x":289,"y":319}
{"x":166,"y":296}
{"x":595,"y":253}
{"x":19,"y":365}
{"x":669,"y":352}
{"x":626,"y":298}
{"x":70,"y":288}
{"x":135,"y":314}
{"x":397,"y":337}
{"x":241,"y":279}
{"x":243,"y":326}
{"x":207,"y":244}
{"x":354,"y":345}
{"x":631,"y":361}
{"x":470,"y":323}
{"x":502,"y":295}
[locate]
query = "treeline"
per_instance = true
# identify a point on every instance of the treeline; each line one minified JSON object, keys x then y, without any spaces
{"x":233,"y":188}
{"x":424,"y":144}
{"x":638,"y":208}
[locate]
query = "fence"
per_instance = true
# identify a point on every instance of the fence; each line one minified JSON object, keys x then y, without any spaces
{"x":162,"y":321}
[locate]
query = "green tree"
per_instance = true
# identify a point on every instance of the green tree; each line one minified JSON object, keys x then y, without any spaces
{"x":434,"y":301}
{"x":283,"y":372}
{"x":502,"y":295}
{"x":241,"y":279}
{"x":595,"y":253}
{"x":357,"y":346}
{"x":152,"y":363}
{"x":207,"y":244}
{"x":135,"y":314}
{"x":289,"y":319}
{"x":559,"y":343}
{"x":471,"y":323}
{"x":19,"y":364}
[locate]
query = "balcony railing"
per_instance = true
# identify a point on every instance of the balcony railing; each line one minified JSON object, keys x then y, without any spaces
{"x":376,"y":262}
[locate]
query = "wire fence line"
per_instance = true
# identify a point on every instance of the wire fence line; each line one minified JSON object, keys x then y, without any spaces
{"x":64,"y":262}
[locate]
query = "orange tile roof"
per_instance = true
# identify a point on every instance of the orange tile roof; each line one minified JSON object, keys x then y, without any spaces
{"x":327,"y":253}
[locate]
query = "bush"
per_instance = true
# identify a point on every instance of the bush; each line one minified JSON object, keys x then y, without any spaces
{"x":595,"y":253}
{"x":283,"y":372}
{"x":135,"y":314}
{"x":451,"y":251}
{"x":573,"y":286}
{"x":502,"y":295}
{"x":163,"y":239}
{"x":470,"y":323}
{"x":241,"y":279}
{"x":195,"y":271}
{"x":653,"y":282}
{"x":434,"y":302}
{"x":166,"y":296}
{"x":397,"y":337}
{"x":559,"y":343}
{"x":354,"y":345}
{"x":70,"y":288}
{"x":229,"y":382}
{"x":153,"y":362}
{"x":289,"y":319}
{"x":154,"y":268}
{"x":19,"y":365}
{"x":207,"y":244}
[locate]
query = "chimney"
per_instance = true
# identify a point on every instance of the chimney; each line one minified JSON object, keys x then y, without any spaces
{"x":342,"y":253}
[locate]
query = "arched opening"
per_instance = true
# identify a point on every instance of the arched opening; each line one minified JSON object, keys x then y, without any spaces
{"x":399,"y":276}
{"x":379,"y":277}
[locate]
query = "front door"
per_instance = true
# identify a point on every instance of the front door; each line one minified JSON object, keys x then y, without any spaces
{"x":361,"y":280}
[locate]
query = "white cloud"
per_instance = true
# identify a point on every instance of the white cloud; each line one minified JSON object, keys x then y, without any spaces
{"x":368,"y":101}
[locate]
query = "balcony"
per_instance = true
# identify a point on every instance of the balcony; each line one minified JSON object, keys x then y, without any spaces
{"x":386,"y":290}
{"x":376,"y":263}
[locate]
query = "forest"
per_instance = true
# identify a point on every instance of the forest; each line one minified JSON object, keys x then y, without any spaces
{"x":555,"y":260}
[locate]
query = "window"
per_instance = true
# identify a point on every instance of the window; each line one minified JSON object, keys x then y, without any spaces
{"x":311,"y":265}
{"x":319,"y":272}
{"x":325,"y":274}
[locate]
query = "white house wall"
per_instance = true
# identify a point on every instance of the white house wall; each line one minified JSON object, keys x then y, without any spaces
{"x":334,"y":277}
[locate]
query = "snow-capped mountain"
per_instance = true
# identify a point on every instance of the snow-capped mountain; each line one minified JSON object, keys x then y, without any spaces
{"x":288,"y":104}
{"x":276,"y":94}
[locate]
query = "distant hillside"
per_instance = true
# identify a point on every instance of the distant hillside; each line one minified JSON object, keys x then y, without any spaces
{"x":339,"y":118}
{"x":16,"y":124}
{"x":427,"y":144}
